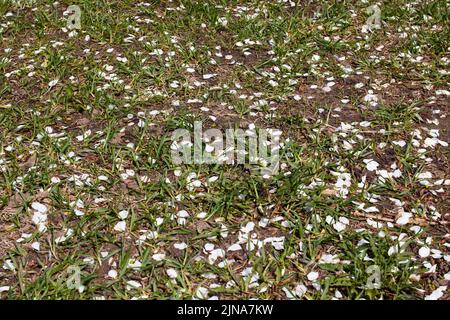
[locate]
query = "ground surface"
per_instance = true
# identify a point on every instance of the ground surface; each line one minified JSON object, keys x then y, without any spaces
{"x":87,"y":181}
